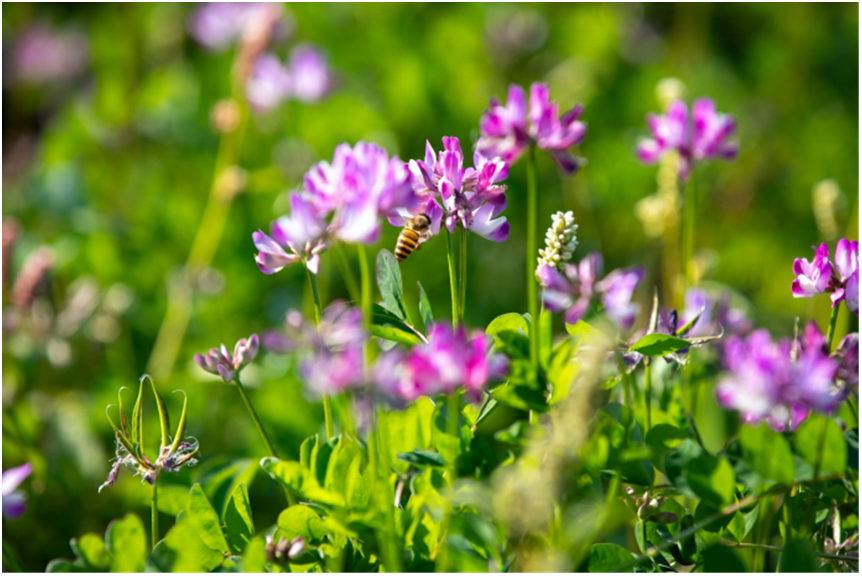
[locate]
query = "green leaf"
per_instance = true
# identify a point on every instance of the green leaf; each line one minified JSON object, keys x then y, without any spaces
{"x":255,"y":556}
{"x":723,"y":559}
{"x":61,"y":565}
{"x":302,"y":521}
{"x":358,"y":496}
{"x":126,"y":541}
{"x":239,"y":527}
{"x":515,"y":434}
{"x":425,"y":307}
{"x":658,"y":345}
{"x":818,"y":430}
{"x":663,"y":438}
{"x":609,"y":557}
{"x":521,"y":397}
{"x":181,"y":427}
{"x":205,"y":519}
{"x":710,"y":534}
{"x":583,"y":330}
{"x":184,"y":550}
{"x":798,"y":556}
{"x":301,"y":481}
{"x":92,"y":550}
{"x":124,"y":424}
{"x":422,"y":458}
{"x":389,"y":283}
{"x":545,"y":337}
{"x":394,"y":335}
{"x":711,"y":477}
{"x":562,"y":369}
{"x":173,"y":498}
{"x":675,"y":462}
{"x":508,"y":322}
{"x":769,"y":453}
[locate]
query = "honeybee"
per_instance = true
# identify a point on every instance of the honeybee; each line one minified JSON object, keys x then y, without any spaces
{"x":415,"y":232}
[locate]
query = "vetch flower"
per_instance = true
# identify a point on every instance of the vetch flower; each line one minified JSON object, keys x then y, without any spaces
{"x":764,"y":382}
{"x":573,"y":290}
{"x":302,"y":233}
{"x":341,"y":325}
{"x":222,"y":363}
{"x":561,"y":240}
{"x":846,"y":267}
{"x":507,"y":131}
{"x":306,"y":78}
{"x":330,"y":372}
{"x":311,"y":78}
{"x":812,"y":277}
{"x":841,"y":279}
{"x":704,"y":136}
{"x":472,"y":198}
{"x":847,"y":355}
{"x":15,"y":501}
{"x":216,"y":25}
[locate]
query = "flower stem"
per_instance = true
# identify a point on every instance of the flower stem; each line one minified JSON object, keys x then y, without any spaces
{"x":154,"y":507}
{"x":255,"y":417}
{"x":327,"y":404}
{"x":453,"y":412}
{"x":365,"y":282}
{"x":532,"y":223}
{"x":647,"y":395}
{"x":453,"y":278}
{"x":462,"y":276}
{"x":830,"y":333}
{"x":344,"y":267}
{"x":207,"y":238}
{"x":688,"y":232}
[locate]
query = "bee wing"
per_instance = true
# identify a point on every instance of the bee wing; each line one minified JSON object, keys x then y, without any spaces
{"x":425,"y":236}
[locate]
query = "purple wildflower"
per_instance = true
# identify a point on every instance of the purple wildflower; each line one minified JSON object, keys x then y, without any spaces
{"x":340,"y":326}
{"x":448,"y":361}
{"x":42,"y":55}
{"x":764,"y":382}
{"x":303,"y":233}
{"x":508,"y":130}
{"x":703,"y":137}
{"x":573,"y":291}
{"x":812,"y":277}
{"x":14,"y":501}
{"x":847,"y":355}
{"x":216,"y":25}
{"x":222,"y":363}
{"x":847,"y":267}
{"x":472,"y":197}
{"x":307,"y":78}
{"x":331,"y":372}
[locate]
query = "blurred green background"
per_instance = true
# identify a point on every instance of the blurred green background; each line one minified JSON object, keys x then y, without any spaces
{"x":110,"y":165}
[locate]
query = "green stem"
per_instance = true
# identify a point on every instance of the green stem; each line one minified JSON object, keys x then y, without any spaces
{"x":821,"y":442}
{"x":853,"y":408}
{"x":462,"y":276}
{"x":344,"y":267}
{"x":207,"y":238}
{"x":154,"y":506}
{"x":629,"y":407}
{"x":830,"y":333}
{"x":453,"y":278}
{"x":454,"y":411}
{"x":365,"y":280}
{"x":532,"y":288}
{"x":255,"y":417}
{"x":688,"y":232}
{"x":327,"y":403}
{"x":647,"y":395}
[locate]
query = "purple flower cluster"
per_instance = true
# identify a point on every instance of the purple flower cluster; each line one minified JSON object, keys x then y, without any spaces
{"x":343,"y":200}
{"x":704,"y":136}
{"x":821,"y":275}
{"x":472,"y":197}
{"x":217,"y":25}
{"x":448,"y":361}
{"x":507,"y":131}
{"x":779,"y":382}
{"x":14,"y":501}
{"x":573,"y":291}
{"x":222,"y":363}
{"x":306,"y":78}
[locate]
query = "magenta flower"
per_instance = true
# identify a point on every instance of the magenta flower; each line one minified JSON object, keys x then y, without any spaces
{"x":15,"y":501}
{"x":340,"y":327}
{"x":573,"y":291}
{"x":222,"y":363}
{"x":216,"y":25}
{"x":331,"y":372}
{"x":703,"y":137}
{"x":820,"y":275}
{"x":472,"y":198}
{"x":847,"y":355}
{"x":507,"y":131}
{"x":764,"y":382}
{"x":448,"y":361}
{"x":307,"y":78}
{"x":302,"y":233}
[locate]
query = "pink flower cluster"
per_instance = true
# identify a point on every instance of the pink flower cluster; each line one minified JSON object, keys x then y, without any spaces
{"x":820,"y":275}
{"x":306,"y":77}
{"x":507,"y":131}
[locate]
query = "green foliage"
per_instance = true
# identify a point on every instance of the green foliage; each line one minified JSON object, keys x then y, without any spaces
{"x":658,"y":345}
{"x":768,"y":453}
{"x":821,"y":445}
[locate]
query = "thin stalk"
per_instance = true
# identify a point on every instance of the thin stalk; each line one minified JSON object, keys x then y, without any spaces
{"x":207,"y":238}
{"x":365,"y":280}
{"x":830,"y":333}
{"x":453,"y":279}
{"x":154,"y":507}
{"x":255,"y":417}
{"x":732,"y":544}
{"x":853,"y":408}
{"x":647,"y":395}
{"x":629,"y":407}
{"x":327,"y":403}
{"x":688,"y":232}
{"x":453,"y":409}
{"x":532,"y":285}
{"x":462,"y":276}
{"x":344,"y":267}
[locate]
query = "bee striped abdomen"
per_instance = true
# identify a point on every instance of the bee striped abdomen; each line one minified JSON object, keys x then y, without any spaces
{"x":408,"y":240}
